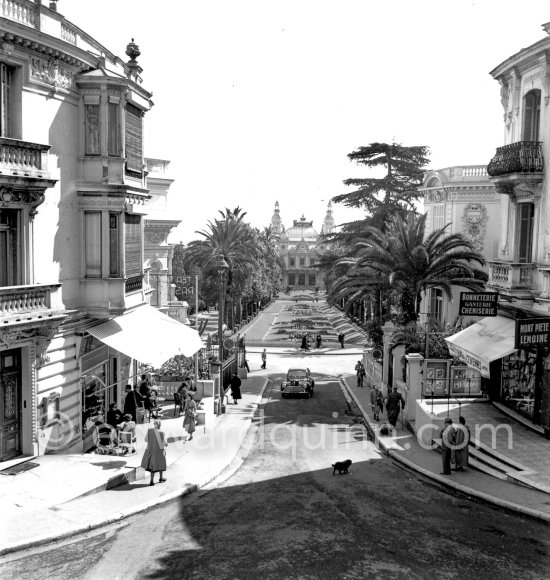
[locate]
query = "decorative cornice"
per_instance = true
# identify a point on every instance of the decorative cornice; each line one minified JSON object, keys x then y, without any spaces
{"x":38,"y":47}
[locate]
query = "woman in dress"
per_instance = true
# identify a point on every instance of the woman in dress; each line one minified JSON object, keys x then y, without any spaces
{"x":235,"y":387}
{"x":189,"y":415}
{"x":462,"y":441}
{"x":154,"y":458}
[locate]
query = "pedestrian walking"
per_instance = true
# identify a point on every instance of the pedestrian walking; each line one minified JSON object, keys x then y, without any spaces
{"x":304,"y":343}
{"x":154,"y":458}
{"x":264,"y":359}
{"x":376,"y":402}
{"x":341,"y":338}
{"x":189,"y":415}
{"x":235,"y":387}
{"x":460,"y":454}
{"x":319,"y":340}
{"x":244,"y":364}
{"x":447,"y":435}
{"x":360,"y":372}
{"x":394,"y":403}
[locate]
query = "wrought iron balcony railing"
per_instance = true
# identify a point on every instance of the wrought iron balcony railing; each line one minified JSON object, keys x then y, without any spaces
{"x":520,"y":157}
{"x":134,"y":283}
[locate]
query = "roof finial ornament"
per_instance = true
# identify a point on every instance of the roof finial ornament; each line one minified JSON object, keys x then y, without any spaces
{"x":132,"y":50}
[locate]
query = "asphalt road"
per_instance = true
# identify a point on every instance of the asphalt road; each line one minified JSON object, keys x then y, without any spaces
{"x":283,"y":514}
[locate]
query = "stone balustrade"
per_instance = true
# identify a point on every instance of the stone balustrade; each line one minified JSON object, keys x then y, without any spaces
{"x":475,"y":171}
{"x":511,"y":276}
{"x":23,"y":158}
{"x":24,"y":299}
{"x":22,"y":11}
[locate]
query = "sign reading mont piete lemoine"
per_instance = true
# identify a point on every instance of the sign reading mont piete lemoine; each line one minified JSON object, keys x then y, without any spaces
{"x":532,"y":332}
{"x":478,"y":304}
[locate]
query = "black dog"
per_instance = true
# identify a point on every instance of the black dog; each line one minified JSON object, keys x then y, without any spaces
{"x":341,"y":466}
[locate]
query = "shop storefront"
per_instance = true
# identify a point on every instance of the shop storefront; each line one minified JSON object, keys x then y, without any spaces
{"x":512,"y":373}
{"x":113,"y":353}
{"x":99,"y":386}
{"x":517,"y":384}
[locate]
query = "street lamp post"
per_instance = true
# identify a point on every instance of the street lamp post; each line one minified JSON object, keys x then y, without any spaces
{"x":222,"y":267}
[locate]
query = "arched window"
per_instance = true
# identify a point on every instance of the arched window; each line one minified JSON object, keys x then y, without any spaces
{"x":531,"y":115}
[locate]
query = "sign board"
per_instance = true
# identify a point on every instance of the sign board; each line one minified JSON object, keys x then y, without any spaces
{"x":532,"y":332}
{"x":478,"y":304}
{"x":185,"y":288}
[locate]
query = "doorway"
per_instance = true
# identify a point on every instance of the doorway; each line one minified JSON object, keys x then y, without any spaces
{"x":10,"y":410}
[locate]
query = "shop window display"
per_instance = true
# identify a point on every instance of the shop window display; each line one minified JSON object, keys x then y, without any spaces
{"x":518,"y":382}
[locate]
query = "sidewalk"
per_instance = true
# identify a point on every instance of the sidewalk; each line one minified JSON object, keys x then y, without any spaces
{"x":405,"y":449}
{"x":66,"y":494}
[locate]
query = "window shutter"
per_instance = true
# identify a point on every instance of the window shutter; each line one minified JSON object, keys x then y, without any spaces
{"x":92,"y":225}
{"x":5,"y":97}
{"x":132,"y":241}
{"x":134,"y":139}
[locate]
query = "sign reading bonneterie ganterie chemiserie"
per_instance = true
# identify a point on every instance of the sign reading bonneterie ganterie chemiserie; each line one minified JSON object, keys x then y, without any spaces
{"x":478,"y":304}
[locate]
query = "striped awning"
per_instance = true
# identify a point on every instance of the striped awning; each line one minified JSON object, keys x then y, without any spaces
{"x":148,"y":335}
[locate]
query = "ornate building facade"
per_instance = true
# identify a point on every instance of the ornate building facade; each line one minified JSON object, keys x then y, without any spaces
{"x":73,"y":201}
{"x":299,"y":247}
{"x":157,"y":251}
{"x":463,"y":198}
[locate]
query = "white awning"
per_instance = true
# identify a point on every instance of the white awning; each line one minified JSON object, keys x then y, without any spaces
{"x":485,"y":341}
{"x":148,"y":335}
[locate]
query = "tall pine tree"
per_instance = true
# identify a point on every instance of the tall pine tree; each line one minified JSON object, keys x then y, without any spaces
{"x":393,"y":193}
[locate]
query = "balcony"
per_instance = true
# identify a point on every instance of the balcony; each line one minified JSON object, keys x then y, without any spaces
{"x":105,"y":297}
{"x":518,"y":162}
{"x":514,"y":280}
{"x":22,"y":158}
{"x":32,"y":303}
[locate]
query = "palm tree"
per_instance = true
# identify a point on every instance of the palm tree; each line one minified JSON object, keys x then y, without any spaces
{"x":230,"y":238}
{"x":412,"y":263}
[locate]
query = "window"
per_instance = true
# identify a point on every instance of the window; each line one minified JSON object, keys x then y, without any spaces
{"x":301,"y":279}
{"x":6,"y":88}
{"x":132,"y":240}
{"x":114,"y":246}
{"x":312,"y":262}
{"x":312,"y":279}
{"x":9,"y":243}
{"x":438,"y":216}
{"x":302,"y":262}
{"x":114,"y":128}
{"x":92,"y":130}
{"x":525,"y":231}
{"x":531,"y":116}
{"x":133,"y":144}
{"x":92,"y":235}
{"x":291,"y":279}
{"x":436,"y":303}
{"x":292,"y":261}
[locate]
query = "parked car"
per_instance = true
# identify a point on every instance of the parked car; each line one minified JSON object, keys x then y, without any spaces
{"x":298,"y":382}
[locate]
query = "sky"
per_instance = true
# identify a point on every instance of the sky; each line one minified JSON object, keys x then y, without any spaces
{"x":258,"y":101}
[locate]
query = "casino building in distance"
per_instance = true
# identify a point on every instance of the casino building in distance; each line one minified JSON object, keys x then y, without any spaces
{"x":299,"y":247}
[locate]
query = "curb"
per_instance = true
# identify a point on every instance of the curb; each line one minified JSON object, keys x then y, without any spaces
{"x":181,"y":492}
{"x":501,"y":503}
